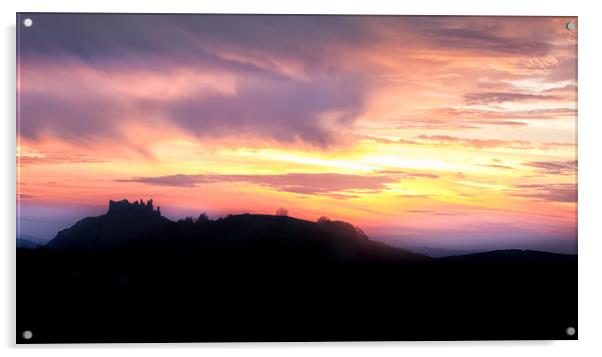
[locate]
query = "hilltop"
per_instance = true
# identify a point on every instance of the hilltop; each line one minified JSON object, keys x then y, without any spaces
{"x":138,"y":228}
{"x":123,"y":221}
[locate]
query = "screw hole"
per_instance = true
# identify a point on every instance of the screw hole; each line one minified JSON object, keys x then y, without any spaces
{"x":570,"y":26}
{"x":570,"y":331}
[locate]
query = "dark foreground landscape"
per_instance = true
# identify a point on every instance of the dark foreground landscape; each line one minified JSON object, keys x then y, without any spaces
{"x":131,"y":275}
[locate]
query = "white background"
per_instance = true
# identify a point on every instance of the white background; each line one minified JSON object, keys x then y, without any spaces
{"x":590,"y":152}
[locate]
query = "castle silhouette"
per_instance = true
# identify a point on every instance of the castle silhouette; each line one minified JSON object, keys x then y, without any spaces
{"x":125,"y":206}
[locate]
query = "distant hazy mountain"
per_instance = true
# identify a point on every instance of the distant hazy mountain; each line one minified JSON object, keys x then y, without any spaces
{"x":28,"y":242}
{"x":123,"y":221}
{"x":509,"y":256}
{"x":441,"y":252}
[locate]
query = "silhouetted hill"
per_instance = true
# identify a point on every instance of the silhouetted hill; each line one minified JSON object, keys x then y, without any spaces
{"x":122,"y":222}
{"x":137,"y":229}
{"x":28,"y":242}
{"x":510,"y":256}
{"x":440,"y":252}
{"x":253,"y":236}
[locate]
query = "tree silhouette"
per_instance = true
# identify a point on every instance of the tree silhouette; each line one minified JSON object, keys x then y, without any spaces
{"x":282,"y":212}
{"x":203,"y":217}
{"x":323,"y":219}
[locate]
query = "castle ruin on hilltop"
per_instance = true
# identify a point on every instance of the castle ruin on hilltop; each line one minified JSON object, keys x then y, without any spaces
{"x":125,"y":206}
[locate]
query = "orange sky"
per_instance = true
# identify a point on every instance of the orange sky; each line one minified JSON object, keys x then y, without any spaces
{"x":443,"y":131}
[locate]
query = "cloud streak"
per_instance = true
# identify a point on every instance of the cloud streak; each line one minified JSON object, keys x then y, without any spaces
{"x":56,"y":158}
{"x":566,"y":193}
{"x":471,"y":118}
{"x":554,"y":167}
{"x":327,"y":184}
{"x":503,"y":97}
{"x":473,"y":143}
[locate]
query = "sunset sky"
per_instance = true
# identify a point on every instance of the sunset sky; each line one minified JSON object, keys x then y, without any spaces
{"x":450,"y":132}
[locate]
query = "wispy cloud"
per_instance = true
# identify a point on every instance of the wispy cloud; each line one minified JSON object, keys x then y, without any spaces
{"x":435,"y":213}
{"x":554,"y":167}
{"x":53,"y":158}
{"x":25,"y":196}
{"x":498,"y":166}
{"x":327,"y":184}
{"x":482,"y":38}
{"x":445,"y":118}
{"x":503,"y":97}
{"x":547,"y":192}
{"x":473,"y":143}
{"x":286,"y":110}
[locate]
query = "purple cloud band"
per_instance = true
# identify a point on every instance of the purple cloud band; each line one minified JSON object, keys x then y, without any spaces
{"x":554,"y":167}
{"x":547,"y":192}
{"x":329,"y":184}
{"x":258,"y":51}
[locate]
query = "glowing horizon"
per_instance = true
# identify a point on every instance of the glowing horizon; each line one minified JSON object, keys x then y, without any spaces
{"x":454,"y":132}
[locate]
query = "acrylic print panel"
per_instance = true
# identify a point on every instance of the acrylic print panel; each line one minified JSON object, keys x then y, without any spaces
{"x":320,"y":178}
